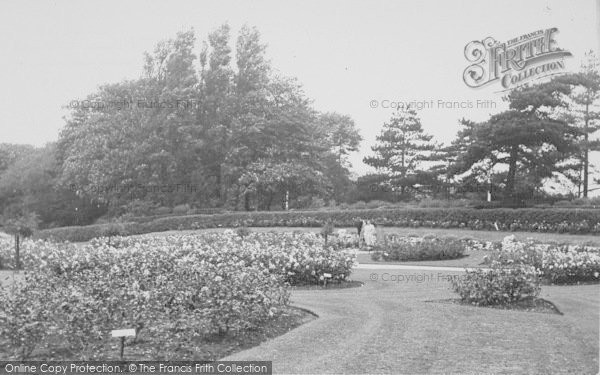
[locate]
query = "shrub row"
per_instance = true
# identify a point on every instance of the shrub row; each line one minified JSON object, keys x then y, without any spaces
{"x":535,"y":220}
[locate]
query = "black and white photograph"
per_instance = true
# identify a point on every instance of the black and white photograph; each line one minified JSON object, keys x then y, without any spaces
{"x":299,"y":187}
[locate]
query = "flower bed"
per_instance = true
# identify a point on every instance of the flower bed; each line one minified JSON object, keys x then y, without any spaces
{"x":397,"y":248}
{"x":177,"y":288}
{"x":6,"y":253}
{"x":556,"y":263}
{"x":300,"y":257}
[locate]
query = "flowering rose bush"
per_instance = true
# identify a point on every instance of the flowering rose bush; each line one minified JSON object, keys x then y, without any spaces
{"x":399,"y":248}
{"x":344,"y":239}
{"x":497,"y":286}
{"x":6,"y":252}
{"x":301,"y":258}
{"x":184,"y":287}
{"x":556,"y":263}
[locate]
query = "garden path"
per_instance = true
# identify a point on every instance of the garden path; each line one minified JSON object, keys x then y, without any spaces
{"x":390,"y":327}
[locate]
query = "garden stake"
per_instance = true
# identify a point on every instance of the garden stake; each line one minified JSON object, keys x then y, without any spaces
{"x":122,"y":333}
{"x":122,"y":346}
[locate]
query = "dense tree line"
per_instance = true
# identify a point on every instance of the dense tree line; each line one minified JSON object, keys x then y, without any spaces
{"x":219,"y":127}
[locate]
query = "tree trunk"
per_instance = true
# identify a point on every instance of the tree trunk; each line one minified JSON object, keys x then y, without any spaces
{"x":247,"y":201}
{"x":579,"y":182}
{"x":512,"y":173}
{"x":586,"y":152}
{"x":17,"y":253}
{"x":218,"y":184}
{"x":403,"y":171}
{"x":222,"y":187}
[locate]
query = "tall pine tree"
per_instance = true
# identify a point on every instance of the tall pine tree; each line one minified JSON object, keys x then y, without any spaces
{"x":402,"y":150}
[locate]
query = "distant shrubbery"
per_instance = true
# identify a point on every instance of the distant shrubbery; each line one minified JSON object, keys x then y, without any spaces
{"x":579,"y":202}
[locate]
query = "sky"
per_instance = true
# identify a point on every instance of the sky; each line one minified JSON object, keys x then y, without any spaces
{"x":352,"y":57}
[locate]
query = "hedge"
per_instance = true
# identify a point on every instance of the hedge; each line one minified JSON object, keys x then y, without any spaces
{"x":503,"y":219}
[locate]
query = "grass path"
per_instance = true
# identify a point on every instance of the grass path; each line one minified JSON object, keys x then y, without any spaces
{"x":389,"y":327}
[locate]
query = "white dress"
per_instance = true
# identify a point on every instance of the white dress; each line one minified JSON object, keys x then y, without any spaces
{"x":369,"y":235}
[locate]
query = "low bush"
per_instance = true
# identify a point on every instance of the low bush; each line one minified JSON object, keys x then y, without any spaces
{"x":498,"y":286}
{"x":343,"y":239}
{"x":396,"y":248}
{"x":243,"y":231}
{"x":162,"y":211}
{"x":181,"y":209}
{"x":24,"y":316}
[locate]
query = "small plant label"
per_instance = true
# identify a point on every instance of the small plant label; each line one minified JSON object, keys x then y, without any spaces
{"x":123,"y":332}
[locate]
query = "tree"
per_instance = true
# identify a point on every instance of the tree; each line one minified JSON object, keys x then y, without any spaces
{"x":341,"y":135}
{"x":524,"y":138}
{"x":243,"y":119}
{"x":31,"y":183}
{"x":289,"y":144}
{"x":10,"y":153}
{"x":584,"y":112}
{"x":342,"y":138}
{"x":214,"y":115}
{"x":403,"y":149}
{"x":115,"y":154}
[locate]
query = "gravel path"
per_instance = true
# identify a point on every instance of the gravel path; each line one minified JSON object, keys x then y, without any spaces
{"x":389,"y":327}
